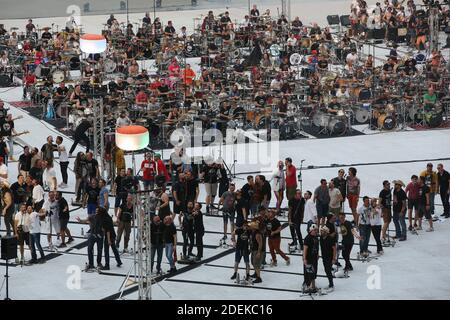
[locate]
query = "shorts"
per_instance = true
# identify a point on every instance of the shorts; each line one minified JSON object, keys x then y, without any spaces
{"x":387,"y":215}
{"x":228,"y":215}
{"x":91,"y":207}
{"x":422,"y":211}
{"x":352,"y":201}
{"x":290,"y":192}
{"x":256,"y":262}
{"x":335,"y":211}
{"x":211,"y":189}
{"x":63,"y":224}
{"x":241,"y":253}
{"x":120,"y":198}
{"x":413,"y":203}
{"x":54,"y":224}
{"x":322,"y":210}
{"x":24,"y":237}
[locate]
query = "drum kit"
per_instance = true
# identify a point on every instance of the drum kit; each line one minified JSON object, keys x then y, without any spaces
{"x":331,"y":124}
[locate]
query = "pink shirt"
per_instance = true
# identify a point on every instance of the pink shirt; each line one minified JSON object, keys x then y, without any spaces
{"x":412,"y":191}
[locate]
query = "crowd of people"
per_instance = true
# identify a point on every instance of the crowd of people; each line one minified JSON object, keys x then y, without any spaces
{"x":261,"y":72}
{"x":34,"y":199}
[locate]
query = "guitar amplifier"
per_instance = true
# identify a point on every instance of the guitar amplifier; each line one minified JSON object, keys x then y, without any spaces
{"x":345,"y":20}
{"x":333,"y":19}
{"x":9,"y":248}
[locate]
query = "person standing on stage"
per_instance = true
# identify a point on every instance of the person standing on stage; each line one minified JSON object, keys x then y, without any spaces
{"x":353,"y":190}
{"x":291,"y":179}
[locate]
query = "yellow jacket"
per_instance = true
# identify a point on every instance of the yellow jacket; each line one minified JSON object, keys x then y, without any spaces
{"x":431,"y":180}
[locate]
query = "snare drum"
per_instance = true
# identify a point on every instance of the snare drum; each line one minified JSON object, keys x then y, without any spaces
{"x":386,"y":122}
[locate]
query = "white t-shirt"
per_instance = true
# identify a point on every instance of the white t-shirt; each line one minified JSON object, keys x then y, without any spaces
{"x":335,"y":195}
{"x":310,"y":211}
{"x":4,"y":170}
{"x":48,"y":176}
{"x":38,"y":193}
{"x":122,"y":122}
{"x":52,"y":207}
{"x":278,"y":180}
{"x":22,"y":219}
{"x":63,"y":157}
{"x":375,"y":217}
{"x":364,"y":215}
{"x":351,"y":58}
{"x":34,"y":223}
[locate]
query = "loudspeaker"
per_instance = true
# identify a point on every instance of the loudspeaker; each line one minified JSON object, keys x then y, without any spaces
{"x":9,"y":248}
{"x":345,"y":20}
{"x":333,"y":19}
{"x":379,"y":33}
{"x":5,"y":81}
{"x":87,"y":7}
{"x":123,"y":5}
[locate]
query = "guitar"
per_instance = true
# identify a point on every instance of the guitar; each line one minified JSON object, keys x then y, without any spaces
{"x":20,"y":133}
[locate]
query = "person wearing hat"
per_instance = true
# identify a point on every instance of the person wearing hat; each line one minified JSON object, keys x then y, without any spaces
{"x":399,"y":209}
{"x":310,"y":259}
{"x":431,"y":180}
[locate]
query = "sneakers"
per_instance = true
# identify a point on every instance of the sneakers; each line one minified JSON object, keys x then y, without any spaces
{"x":119,"y":264}
{"x":419,"y":228}
{"x":257,"y":280}
{"x":62,"y":185}
{"x":233,"y":276}
{"x":430,"y":229}
{"x":41,"y":260}
{"x":104,"y":268}
{"x":224,"y":237}
{"x":125,"y":250}
{"x":288,"y":261}
{"x":62,"y":245}
{"x":381,"y":252}
{"x":293,"y":243}
{"x":253,"y":275}
{"x":410,"y":228}
{"x":273,"y":263}
{"x":348,"y":268}
{"x":172,"y":270}
{"x":70,"y":240}
{"x":402,"y":239}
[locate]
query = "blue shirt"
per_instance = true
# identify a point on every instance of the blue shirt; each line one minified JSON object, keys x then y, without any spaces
{"x":102,"y":197}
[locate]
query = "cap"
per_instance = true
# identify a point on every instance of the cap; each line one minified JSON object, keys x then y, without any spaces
{"x":312,"y":227}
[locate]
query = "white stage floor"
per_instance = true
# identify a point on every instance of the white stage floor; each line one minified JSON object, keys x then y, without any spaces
{"x":415,"y":269}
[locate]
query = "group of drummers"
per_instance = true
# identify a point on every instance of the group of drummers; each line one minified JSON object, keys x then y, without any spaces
{"x":261,"y":72}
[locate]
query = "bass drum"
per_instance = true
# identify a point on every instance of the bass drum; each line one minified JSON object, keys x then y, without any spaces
{"x":386,"y":122}
{"x":433,"y":119}
{"x":362,"y":115}
{"x":58,"y":76}
{"x":321,"y":119}
{"x":337,"y":126}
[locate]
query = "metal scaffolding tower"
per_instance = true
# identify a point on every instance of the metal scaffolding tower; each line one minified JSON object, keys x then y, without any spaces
{"x":433,"y":21}
{"x":99,"y":141}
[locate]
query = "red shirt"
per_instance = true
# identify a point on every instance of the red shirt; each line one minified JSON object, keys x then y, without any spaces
{"x":162,"y":169}
{"x":291,"y":181}
{"x":30,"y":79}
{"x":148,"y":170}
{"x":155,"y":85}
{"x":141,"y":97}
{"x":412,"y":190}
{"x":174,"y":70}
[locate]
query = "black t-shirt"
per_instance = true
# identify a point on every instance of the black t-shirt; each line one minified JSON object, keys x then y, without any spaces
{"x":108,"y":226}
{"x":239,"y":206}
{"x":247,"y":192}
{"x":423,"y":194}
{"x":273,"y":225}
{"x":93,"y":194}
{"x":92,"y":166}
{"x":312,"y":253}
{"x":198,"y":222}
{"x":211,"y":174}
{"x":443,"y":180}
{"x":126,"y":213}
{"x":346,"y":232}
{"x":326,"y":243}
{"x":19,"y":192}
{"x":169,"y":232}
{"x":188,"y":219}
{"x":191,"y":186}
{"x":128,"y":182}
{"x":399,"y":197}
{"x":6,"y":127}
{"x":25,"y":162}
{"x":3,"y":148}
{"x":62,"y":91}
{"x":64,"y":209}
{"x":120,"y":187}
{"x":36,"y":173}
{"x":157,"y":231}
{"x":82,"y":127}
{"x":242,"y":238}
{"x":386,"y":197}
{"x":98,"y":225}
{"x":267,"y":190}
{"x":180,"y":189}
{"x":297,"y":207}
